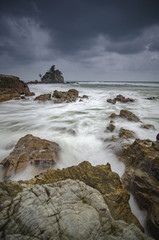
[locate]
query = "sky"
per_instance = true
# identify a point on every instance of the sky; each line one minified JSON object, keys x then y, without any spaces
{"x":88,"y":40}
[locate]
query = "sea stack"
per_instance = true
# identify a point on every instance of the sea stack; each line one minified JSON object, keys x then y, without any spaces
{"x":53,"y":76}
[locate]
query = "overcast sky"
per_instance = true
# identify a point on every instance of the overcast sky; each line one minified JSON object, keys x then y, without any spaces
{"x":99,"y":40}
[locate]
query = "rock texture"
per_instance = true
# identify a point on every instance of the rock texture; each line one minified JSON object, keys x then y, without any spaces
{"x":69,"y":96}
{"x":120,"y":98}
{"x":126,"y":134}
{"x":101,"y":178}
{"x":63,"y":210}
{"x":53,"y":76}
{"x":30,"y":150}
{"x":43,"y":97}
{"x":142,"y":178}
{"x":11,"y":87}
{"x":126,"y":115}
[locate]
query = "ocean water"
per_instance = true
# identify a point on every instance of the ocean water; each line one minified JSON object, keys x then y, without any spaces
{"x":88,"y":119}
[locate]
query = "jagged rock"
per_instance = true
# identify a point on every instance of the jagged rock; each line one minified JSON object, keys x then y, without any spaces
{"x":127,"y":115}
{"x":99,"y":177}
{"x":63,"y":210}
{"x":53,"y":76}
{"x":120,"y":98}
{"x":30,"y":150}
{"x":126,"y":134}
{"x":157,"y":137}
{"x":69,"y":96}
{"x":148,"y":126}
{"x":142,"y":178}
{"x":11,"y":87}
{"x":43,"y":97}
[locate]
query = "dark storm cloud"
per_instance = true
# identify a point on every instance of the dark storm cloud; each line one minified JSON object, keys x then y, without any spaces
{"x":89,"y":32}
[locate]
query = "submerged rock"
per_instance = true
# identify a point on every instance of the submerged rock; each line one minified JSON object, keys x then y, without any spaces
{"x":148,"y":126}
{"x":30,"y":150}
{"x":63,"y":210}
{"x":12,"y":87}
{"x":142,"y":178}
{"x":69,"y":96}
{"x":43,"y":97}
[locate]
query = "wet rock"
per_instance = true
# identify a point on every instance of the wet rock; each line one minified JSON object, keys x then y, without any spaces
{"x":126,"y":134}
{"x":43,"y":97}
{"x":11,"y":87}
{"x":69,"y":96}
{"x":113,"y":101}
{"x":101,"y":178}
{"x":31,"y":150}
{"x":148,"y":126}
{"x":127,"y":115}
{"x":142,"y":178}
{"x":85,"y":96}
{"x":120,"y":98}
{"x":62,"y":210}
{"x":157,"y":137}
{"x":111,"y":126}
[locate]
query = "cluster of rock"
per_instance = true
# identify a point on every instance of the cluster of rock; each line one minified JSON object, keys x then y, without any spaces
{"x":80,"y":202}
{"x":120,"y":98}
{"x":60,"y":97}
{"x":30,"y":150}
{"x":142,"y":178}
{"x":12,"y":87}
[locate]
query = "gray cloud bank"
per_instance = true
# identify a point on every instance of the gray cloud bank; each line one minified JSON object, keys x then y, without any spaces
{"x":86,"y":39}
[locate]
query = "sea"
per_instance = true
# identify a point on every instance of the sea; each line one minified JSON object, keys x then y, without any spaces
{"x":80,"y":128}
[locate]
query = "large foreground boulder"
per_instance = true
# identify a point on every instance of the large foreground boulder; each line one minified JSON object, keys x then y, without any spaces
{"x":142,"y":178}
{"x":30,"y":150}
{"x":11,"y":87}
{"x":99,"y":177}
{"x":63,"y":210}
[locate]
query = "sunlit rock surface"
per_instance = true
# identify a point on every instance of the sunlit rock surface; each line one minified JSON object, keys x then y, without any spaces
{"x":30,"y":150}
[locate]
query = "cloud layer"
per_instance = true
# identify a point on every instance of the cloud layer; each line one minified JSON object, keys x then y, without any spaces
{"x":86,"y":39}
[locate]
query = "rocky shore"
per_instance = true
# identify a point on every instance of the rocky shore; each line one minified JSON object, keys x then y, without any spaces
{"x":79,"y":202}
{"x":55,"y":205}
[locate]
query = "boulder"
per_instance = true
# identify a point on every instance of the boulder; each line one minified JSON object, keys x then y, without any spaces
{"x":11,"y":87}
{"x":30,"y":150}
{"x":101,"y":178}
{"x":43,"y":97}
{"x":62,"y":210}
{"x":126,"y":134}
{"x":142,"y":178}
{"x":69,"y":96}
{"x":113,"y":101}
{"x":120,"y":98}
{"x":127,"y":115}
